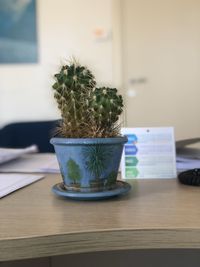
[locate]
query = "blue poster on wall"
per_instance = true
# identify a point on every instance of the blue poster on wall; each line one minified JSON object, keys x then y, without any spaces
{"x":18,"y":35}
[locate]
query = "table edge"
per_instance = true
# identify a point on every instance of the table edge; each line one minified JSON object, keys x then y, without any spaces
{"x":83,"y":242}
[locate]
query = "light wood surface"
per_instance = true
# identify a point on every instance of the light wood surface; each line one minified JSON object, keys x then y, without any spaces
{"x":155,"y":214}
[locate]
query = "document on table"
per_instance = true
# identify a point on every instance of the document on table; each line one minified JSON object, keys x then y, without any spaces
{"x":7,"y":154}
{"x":188,"y":158}
{"x":12,"y":182}
{"x":184,"y":164}
{"x":32,"y":163}
{"x":149,"y":153}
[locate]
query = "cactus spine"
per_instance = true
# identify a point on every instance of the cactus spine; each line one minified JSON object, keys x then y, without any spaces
{"x":106,"y":106}
{"x":86,"y":111}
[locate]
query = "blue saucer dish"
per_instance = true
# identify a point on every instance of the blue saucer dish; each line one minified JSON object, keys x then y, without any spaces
{"x":120,"y":189}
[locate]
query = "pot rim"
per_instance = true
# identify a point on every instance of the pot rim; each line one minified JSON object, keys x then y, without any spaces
{"x":88,"y":141}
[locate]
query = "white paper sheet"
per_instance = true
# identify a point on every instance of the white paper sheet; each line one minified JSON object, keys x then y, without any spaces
{"x":184,"y":164}
{"x":188,"y":158}
{"x":32,"y":163}
{"x":12,"y":182}
{"x":7,"y":154}
{"x":149,"y":153}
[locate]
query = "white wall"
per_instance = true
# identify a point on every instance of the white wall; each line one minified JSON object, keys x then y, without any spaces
{"x":65,"y":28}
{"x":161,"y":43}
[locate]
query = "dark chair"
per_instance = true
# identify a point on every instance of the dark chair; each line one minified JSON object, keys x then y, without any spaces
{"x":23,"y":134}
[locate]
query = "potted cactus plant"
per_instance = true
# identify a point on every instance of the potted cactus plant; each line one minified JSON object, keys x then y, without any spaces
{"x":88,"y":143}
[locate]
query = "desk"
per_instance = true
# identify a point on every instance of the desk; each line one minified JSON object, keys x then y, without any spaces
{"x":155,"y":214}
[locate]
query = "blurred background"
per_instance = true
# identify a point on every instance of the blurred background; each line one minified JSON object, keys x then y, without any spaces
{"x":148,"y":49}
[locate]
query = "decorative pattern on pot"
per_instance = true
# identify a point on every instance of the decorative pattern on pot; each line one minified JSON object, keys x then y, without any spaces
{"x":89,"y":165}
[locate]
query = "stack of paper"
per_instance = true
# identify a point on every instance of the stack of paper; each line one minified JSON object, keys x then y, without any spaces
{"x":16,"y":161}
{"x":33,"y":163}
{"x":7,"y":154}
{"x":12,"y":182}
{"x":188,"y":158}
{"x":187,"y":164}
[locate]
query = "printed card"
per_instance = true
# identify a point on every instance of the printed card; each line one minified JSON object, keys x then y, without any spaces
{"x":149,"y":153}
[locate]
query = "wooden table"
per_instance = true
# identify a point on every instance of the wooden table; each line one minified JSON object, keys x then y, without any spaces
{"x":155,"y":214}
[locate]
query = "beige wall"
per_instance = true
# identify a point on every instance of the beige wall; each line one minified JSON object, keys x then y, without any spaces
{"x":65,"y":28}
{"x":158,"y":40}
{"x":161,"y":43}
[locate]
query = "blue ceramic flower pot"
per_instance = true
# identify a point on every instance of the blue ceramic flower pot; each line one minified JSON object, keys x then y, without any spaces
{"x":89,"y":164}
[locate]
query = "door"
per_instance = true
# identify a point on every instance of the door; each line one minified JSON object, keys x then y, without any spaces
{"x":161,"y":64}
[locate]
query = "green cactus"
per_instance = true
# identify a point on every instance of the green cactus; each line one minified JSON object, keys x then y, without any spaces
{"x":86,"y":111}
{"x":73,"y":87}
{"x":106,"y":107}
